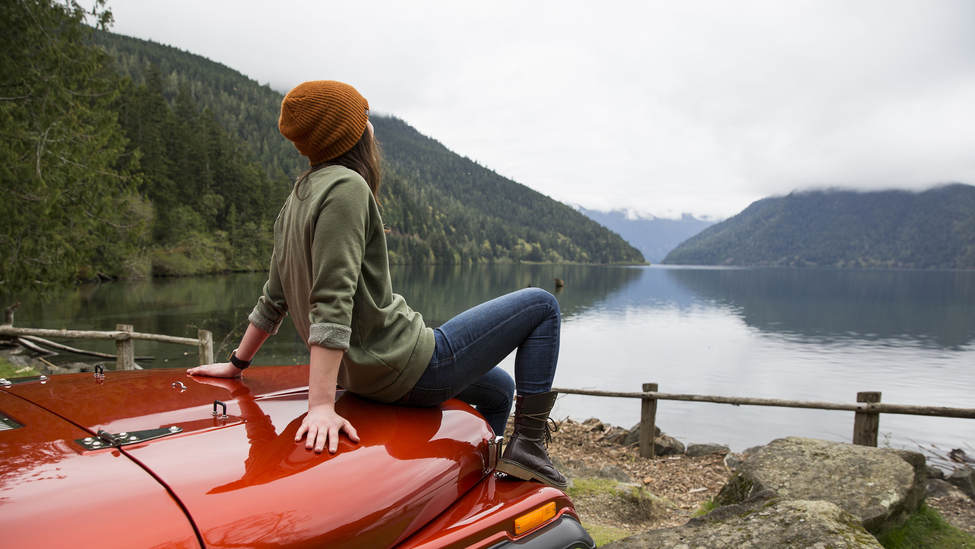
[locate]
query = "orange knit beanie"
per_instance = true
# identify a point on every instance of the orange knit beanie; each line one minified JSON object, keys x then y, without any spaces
{"x":323,"y":118}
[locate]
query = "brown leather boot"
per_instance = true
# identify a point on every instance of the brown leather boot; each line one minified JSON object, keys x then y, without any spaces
{"x":525,"y":456}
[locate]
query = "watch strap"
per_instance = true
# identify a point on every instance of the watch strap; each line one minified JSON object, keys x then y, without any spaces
{"x":241,"y":364}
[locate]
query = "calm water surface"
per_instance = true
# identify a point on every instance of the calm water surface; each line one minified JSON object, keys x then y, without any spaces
{"x":776,"y":333}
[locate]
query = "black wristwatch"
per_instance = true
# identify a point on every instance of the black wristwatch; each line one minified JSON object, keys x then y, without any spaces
{"x":242,"y":364}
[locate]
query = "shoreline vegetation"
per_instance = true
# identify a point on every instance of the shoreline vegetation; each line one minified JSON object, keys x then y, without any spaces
{"x":101,"y":277}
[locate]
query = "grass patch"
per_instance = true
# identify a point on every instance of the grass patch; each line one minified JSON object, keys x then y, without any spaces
{"x":11,"y":370}
{"x":927,"y":530}
{"x":604,"y":534}
{"x":706,"y":507}
{"x":583,"y":487}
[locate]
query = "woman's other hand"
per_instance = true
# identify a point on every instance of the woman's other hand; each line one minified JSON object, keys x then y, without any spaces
{"x":322,"y":425}
{"x":223,"y":369}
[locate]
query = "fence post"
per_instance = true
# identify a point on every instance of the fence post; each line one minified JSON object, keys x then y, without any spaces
{"x":648,"y":420}
{"x":206,"y":347}
{"x":125,"y":349}
{"x":866,"y":425}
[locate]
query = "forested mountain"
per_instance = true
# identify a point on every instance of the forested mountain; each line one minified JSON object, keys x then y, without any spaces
{"x":216,"y":168}
{"x":464,"y":210}
{"x":241,"y":105}
{"x":901,"y":229}
{"x":655,"y":237}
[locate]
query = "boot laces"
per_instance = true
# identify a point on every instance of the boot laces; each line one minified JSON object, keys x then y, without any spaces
{"x":550,"y":425}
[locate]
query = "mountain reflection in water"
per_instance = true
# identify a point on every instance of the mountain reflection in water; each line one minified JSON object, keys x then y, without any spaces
{"x":930,"y":307}
{"x":778,"y":333}
{"x":807,"y":334}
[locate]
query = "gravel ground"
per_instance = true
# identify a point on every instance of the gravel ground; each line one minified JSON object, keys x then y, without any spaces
{"x":683,"y":481}
{"x":960,"y":513}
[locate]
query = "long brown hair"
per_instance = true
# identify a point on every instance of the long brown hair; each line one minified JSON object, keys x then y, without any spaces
{"x":364,"y":158}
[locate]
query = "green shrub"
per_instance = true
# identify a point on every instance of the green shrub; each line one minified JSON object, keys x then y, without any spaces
{"x":604,"y":534}
{"x":927,"y":530}
{"x":706,"y":507}
{"x":582,"y":487}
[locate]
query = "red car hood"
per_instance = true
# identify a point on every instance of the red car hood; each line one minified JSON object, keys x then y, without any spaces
{"x":244,"y":481}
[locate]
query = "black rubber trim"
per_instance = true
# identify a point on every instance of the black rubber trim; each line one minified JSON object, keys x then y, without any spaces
{"x":7,"y":423}
{"x":563,"y":533}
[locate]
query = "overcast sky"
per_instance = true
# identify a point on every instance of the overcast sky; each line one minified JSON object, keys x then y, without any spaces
{"x":657,"y":107}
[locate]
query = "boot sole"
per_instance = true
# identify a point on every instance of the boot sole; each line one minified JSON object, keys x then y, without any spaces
{"x":520,"y":471}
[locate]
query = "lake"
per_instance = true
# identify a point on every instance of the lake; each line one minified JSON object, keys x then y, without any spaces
{"x":803,"y":334}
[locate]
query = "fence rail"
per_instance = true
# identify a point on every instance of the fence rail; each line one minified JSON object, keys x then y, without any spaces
{"x":866,"y":423}
{"x":124,"y":338}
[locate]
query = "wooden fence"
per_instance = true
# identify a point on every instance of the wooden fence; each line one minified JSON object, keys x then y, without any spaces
{"x":866,"y":422}
{"x":124,"y":341}
{"x":867,"y":409}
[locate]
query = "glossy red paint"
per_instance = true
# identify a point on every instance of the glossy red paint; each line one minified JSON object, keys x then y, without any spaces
{"x":252,"y":484}
{"x":244,"y":480}
{"x":146,"y":399}
{"x":486,"y":515}
{"x":418,"y":478}
{"x":54,"y":494}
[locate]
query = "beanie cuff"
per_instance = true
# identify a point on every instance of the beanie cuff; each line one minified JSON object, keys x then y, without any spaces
{"x":341,"y":146}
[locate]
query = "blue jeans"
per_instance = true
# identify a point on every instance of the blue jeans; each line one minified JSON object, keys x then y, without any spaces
{"x":472,"y":344}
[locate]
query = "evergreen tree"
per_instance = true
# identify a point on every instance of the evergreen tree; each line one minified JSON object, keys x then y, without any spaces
{"x":67,"y":201}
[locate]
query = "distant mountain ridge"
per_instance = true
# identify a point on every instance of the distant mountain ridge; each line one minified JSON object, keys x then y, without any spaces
{"x":655,"y":237}
{"x":933,"y":229}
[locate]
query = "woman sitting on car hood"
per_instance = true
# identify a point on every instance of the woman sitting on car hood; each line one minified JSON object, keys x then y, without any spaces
{"x":330,"y":270}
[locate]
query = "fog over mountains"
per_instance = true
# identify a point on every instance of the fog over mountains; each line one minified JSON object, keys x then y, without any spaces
{"x":655,"y":237}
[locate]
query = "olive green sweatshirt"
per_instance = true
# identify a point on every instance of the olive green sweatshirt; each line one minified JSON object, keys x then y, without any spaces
{"x":331,"y":271}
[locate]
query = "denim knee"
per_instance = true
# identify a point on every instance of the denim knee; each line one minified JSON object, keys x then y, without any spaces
{"x":545,"y":297}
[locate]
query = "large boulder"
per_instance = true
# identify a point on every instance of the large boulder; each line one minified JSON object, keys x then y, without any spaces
{"x":733,"y":461}
{"x":612,"y":472}
{"x":763,"y":522}
{"x":878,"y":486}
{"x":633,"y":435}
{"x":667,"y":446}
{"x":938,"y":488}
{"x":700,"y":450}
{"x":964,"y":480}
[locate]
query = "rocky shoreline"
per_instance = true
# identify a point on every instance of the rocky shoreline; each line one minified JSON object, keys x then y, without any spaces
{"x":678,"y":484}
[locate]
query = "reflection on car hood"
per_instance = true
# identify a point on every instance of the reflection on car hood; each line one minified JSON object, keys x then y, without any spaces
{"x":244,"y":480}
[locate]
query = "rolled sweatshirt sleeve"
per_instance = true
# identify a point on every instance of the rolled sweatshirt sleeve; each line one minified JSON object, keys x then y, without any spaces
{"x":338,"y":247}
{"x":271,"y":307}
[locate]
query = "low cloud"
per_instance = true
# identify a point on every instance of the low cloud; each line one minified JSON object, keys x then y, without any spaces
{"x":659,"y":107}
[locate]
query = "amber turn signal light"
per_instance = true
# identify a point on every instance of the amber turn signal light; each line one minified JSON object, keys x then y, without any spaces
{"x":535,"y":518}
